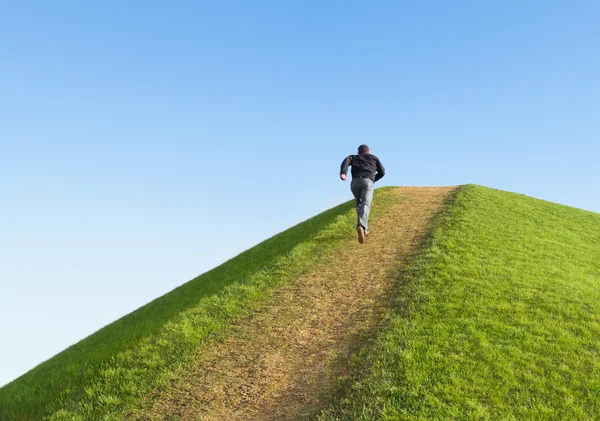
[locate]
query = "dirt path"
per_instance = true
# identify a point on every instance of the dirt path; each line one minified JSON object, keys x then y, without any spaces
{"x":283,"y":363}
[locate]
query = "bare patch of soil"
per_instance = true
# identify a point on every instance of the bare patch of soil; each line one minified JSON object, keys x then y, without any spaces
{"x":283,"y":362}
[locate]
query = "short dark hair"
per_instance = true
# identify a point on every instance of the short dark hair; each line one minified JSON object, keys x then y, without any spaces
{"x":363,"y":149}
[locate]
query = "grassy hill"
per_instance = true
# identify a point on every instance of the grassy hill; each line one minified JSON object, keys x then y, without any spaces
{"x":498,"y":317}
{"x":102,"y":374}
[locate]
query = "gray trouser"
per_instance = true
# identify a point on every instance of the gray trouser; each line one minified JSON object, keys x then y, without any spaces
{"x":362,"y":189}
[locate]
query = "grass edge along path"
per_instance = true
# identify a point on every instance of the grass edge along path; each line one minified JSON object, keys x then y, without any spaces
{"x":104,"y":373}
{"x":499,"y":320}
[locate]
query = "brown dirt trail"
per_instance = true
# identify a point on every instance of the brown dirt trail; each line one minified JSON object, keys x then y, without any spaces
{"x":283,"y":362}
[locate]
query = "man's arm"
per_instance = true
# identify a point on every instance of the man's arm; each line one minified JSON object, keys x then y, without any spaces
{"x":344,"y":169}
{"x":380,"y":171}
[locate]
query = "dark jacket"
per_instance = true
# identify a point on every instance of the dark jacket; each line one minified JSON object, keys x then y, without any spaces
{"x":365,"y":165}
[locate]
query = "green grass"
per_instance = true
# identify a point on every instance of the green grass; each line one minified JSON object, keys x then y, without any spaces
{"x":499,"y":320}
{"x":100,"y":376}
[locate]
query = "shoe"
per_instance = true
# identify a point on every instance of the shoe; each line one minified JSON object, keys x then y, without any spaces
{"x":367,"y":232}
{"x":361,"y":234}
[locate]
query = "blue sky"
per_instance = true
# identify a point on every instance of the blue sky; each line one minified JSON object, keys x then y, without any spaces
{"x":142,"y":143}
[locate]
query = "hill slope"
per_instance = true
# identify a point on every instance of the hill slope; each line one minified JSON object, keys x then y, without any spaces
{"x":497,"y":317}
{"x":500,"y":319}
{"x":282,"y":363}
{"x":126,"y":359}
{"x":115,"y":368}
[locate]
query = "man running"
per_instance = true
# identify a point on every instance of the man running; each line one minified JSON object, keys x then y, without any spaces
{"x":366,"y":170}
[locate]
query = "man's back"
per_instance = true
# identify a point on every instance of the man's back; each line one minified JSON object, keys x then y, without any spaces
{"x":364,"y":165}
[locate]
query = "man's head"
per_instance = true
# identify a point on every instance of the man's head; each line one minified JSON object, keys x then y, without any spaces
{"x":363,"y":149}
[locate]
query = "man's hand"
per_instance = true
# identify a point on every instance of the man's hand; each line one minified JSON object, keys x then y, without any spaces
{"x":343,"y":177}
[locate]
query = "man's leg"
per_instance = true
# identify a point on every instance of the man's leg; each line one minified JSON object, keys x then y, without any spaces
{"x":366,"y":197}
{"x":356,"y":187}
{"x":362,"y":189}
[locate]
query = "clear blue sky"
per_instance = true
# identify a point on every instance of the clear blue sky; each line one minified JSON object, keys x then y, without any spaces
{"x":142,"y":143}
